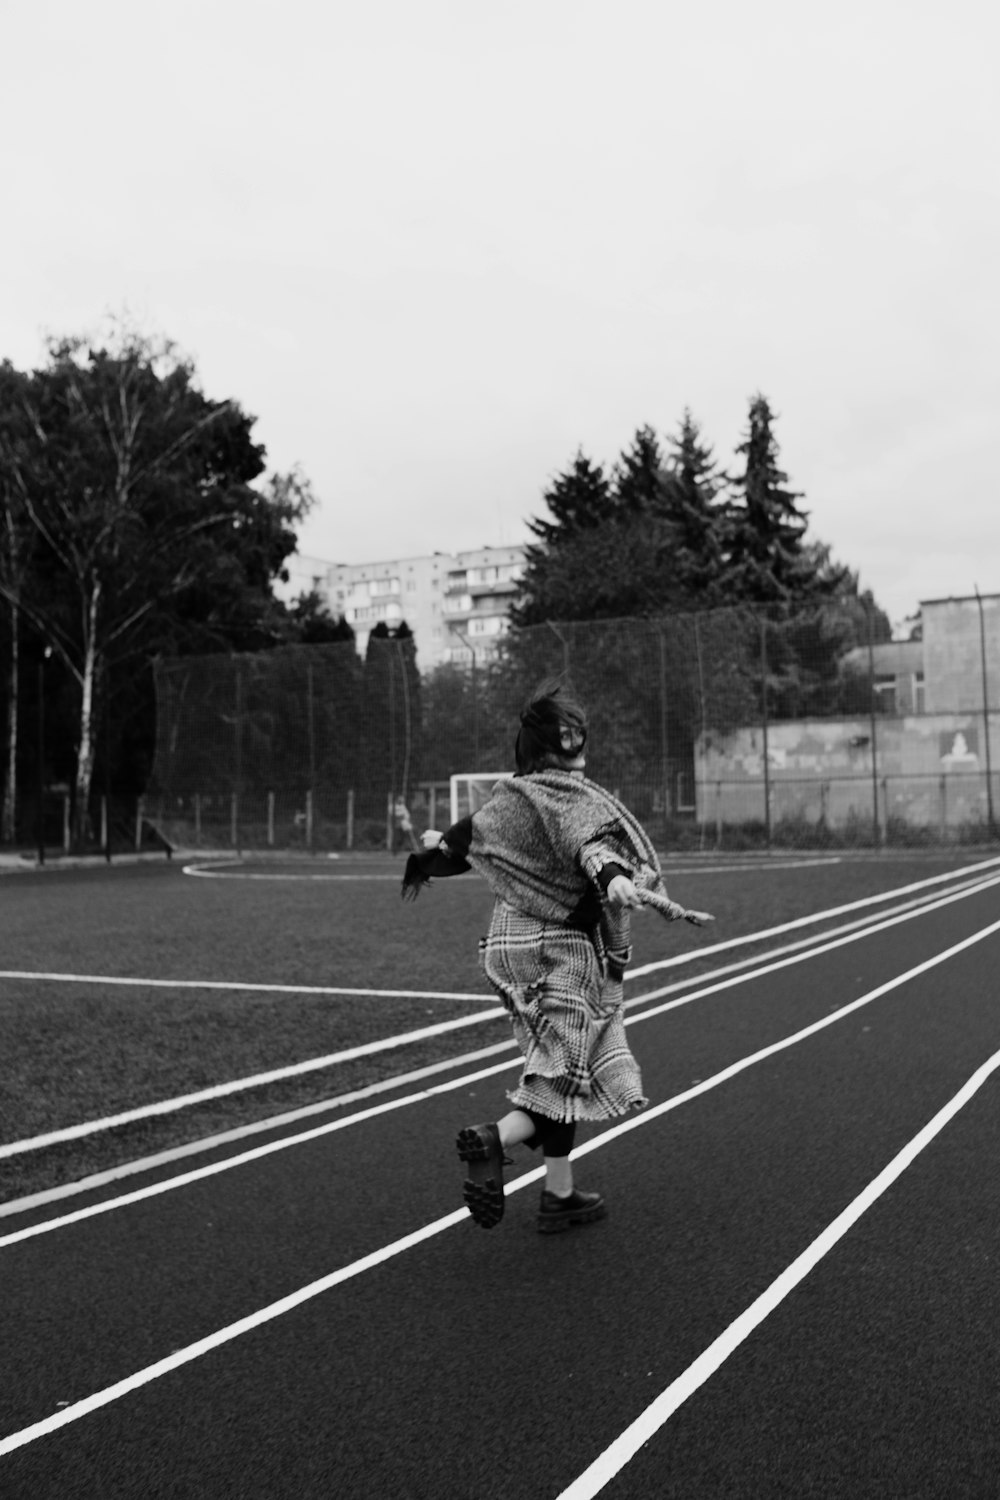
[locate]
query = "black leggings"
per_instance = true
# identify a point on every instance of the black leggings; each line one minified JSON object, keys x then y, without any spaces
{"x":555,"y":1137}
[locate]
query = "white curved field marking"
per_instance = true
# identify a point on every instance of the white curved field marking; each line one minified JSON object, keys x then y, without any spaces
{"x":604,"y":1468}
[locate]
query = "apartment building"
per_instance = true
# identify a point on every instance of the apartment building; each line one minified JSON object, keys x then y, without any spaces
{"x":456,"y":604}
{"x":479,"y":590}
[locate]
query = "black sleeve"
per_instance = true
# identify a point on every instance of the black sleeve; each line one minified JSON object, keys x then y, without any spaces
{"x":607,"y":873}
{"x":439,"y":863}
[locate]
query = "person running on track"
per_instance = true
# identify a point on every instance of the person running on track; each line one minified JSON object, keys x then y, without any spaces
{"x":566,"y":862}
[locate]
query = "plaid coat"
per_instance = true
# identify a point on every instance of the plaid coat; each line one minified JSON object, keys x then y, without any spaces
{"x":556,"y":951}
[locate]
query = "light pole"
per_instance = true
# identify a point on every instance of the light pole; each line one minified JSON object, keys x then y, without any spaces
{"x":41,"y":754}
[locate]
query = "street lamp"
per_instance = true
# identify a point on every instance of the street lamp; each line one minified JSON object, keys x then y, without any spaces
{"x":41,"y":754}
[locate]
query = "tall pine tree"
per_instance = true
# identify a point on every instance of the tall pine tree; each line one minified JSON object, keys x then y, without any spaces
{"x":766,"y":560}
{"x":639,"y":476}
{"x":579,"y":500}
{"x":692,"y":487}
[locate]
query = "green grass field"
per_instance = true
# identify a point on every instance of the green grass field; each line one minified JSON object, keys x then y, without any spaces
{"x":76,"y":1052}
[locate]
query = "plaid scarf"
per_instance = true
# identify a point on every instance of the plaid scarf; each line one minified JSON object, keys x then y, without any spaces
{"x":542,"y":838}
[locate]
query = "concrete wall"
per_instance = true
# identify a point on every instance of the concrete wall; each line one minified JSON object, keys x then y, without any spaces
{"x":928,"y":770}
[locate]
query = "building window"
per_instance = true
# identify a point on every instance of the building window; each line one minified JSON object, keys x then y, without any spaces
{"x":885,"y":693}
{"x":918,"y":692}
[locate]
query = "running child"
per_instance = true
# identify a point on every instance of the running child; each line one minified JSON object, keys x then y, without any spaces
{"x":566,"y":862}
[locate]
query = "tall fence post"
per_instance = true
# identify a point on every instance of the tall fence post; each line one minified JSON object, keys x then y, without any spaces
{"x":565,"y":646}
{"x":270,"y":820}
{"x":986,"y":715}
{"x":350,"y":819}
{"x":764,"y":730}
{"x":701,"y":709}
{"x":239,"y":759}
{"x":664,"y":745}
{"x":312,"y":758}
{"x":876,"y":827}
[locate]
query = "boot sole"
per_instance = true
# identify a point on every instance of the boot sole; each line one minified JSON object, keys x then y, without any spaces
{"x":482,"y":1191}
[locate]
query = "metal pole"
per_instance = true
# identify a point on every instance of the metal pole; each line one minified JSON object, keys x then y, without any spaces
{"x":312,"y":759}
{"x":107,"y":763}
{"x":40,"y":821}
{"x":475,"y":699}
{"x":565,"y":646}
{"x":235,"y":831}
{"x":664,"y":746}
{"x":876,"y":828}
{"x":763,"y":712}
{"x":986,"y":714}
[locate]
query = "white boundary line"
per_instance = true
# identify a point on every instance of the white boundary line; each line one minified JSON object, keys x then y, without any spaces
{"x":232,"y":869}
{"x":820,"y":916}
{"x":707,"y":1363}
{"x":155,"y":1189}
{"x":627,"y":1444}
{"x":399,"y":1080}
{"x":230,"y":985}
{"x":239,"y":1085}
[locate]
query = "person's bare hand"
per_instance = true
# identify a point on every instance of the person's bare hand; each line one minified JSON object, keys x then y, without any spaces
{"x":698,"y":918}
{"x":622,"y":892}
{"x":431,"y":838}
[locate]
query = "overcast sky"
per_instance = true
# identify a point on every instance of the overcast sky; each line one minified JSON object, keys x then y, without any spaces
{"x":435,"y":247}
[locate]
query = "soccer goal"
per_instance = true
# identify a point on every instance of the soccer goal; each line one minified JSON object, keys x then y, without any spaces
{"x":470,"y":789}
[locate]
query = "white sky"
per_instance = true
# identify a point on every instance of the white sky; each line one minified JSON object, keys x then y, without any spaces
{"x":436,"y":246}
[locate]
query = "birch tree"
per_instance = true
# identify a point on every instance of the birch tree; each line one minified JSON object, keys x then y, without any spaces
{"x":136,"y":489}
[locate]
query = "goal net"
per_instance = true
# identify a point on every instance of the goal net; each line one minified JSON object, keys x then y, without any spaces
{"x":471,"y":789}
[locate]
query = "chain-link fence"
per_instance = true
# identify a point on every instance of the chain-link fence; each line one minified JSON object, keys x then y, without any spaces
{"x":728,"y":729}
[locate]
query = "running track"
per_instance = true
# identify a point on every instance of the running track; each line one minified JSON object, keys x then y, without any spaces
{"x":745,"y":1323}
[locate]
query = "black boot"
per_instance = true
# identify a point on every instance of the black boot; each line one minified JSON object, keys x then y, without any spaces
{"x":556,"y":1213}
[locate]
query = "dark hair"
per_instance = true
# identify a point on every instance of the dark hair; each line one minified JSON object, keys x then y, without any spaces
{"x":553,"y":707}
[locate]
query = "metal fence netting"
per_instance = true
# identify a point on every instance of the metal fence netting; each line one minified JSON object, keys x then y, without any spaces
{"x":734,"y":728}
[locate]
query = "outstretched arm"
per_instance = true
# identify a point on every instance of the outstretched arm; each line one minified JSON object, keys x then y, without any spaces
{"x":442,"y":855}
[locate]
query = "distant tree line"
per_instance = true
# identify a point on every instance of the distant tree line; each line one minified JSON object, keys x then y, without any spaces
{"x":135,"y":522}
{"x":138,"y":523}
{"x":671,"y":530}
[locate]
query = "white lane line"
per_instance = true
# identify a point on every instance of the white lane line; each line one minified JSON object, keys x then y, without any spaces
{"x":227,"y":984}
{"x":238,"y":1085}
{"x":168,"y":1106}
{"x":627,"y":1444}
{"x":814,"y":917}
{"x":399,"y":1080}
{"x":296,"y":1299}
{"x":226,"y":875}
{"x":240,"y":1132}
{"x":653,"y":1113}
{"x":233,"y":869}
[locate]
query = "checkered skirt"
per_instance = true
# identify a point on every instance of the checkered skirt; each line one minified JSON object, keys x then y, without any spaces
{"x":566,"y":1011}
